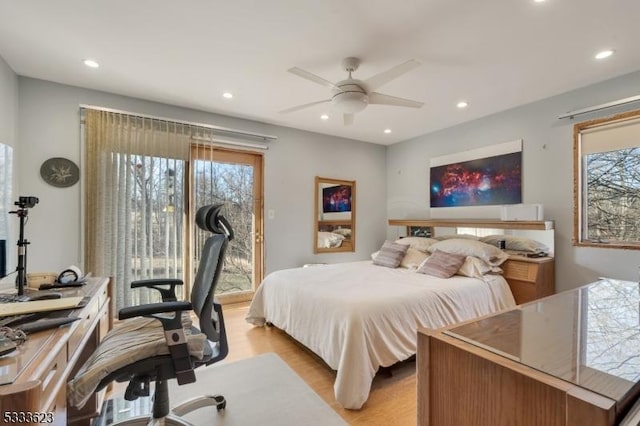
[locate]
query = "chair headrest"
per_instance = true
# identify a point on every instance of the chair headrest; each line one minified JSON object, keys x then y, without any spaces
{"x":210,"y":219}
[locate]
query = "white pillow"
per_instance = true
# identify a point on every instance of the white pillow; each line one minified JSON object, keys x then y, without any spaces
{"x":329,"y":239}
{"x":513,"y":242}
{"x":476,"y":268}
{"x":492,"y":255}
{"x":345,"y":232}
{"x":418,"y":243}
{"x":413,"y":258}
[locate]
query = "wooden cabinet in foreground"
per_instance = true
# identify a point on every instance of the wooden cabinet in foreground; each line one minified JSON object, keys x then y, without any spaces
{"x":566,"y":360}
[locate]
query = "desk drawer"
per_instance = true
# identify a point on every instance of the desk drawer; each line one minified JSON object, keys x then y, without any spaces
{"x":52,"y":379}
{"x":103,"y":296}
{"x":89,"y":315}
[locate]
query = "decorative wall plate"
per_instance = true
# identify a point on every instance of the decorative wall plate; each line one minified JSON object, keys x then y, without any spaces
{"x":60,"y":172}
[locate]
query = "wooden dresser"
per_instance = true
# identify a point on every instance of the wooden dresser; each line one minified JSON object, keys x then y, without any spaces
{"x":566,"y":360}
{"x":39,"y":369}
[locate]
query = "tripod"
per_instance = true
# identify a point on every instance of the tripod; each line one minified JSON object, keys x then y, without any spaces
{"x":21,"y":279}
{"x":23,"y":204}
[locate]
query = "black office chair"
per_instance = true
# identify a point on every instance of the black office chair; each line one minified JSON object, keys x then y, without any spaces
{"x":178,"y":363}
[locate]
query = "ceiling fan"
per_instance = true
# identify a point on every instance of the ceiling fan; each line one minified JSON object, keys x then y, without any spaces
{"x":350,"y":96}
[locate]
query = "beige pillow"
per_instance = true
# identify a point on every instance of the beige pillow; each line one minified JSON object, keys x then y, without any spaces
{"x":390,"y":254}
{"x":441,"y":264}
{"x":458,"y":236}
{"x":419,"y":243}
{"x":413,"y":258}
{"x":491,"y":255}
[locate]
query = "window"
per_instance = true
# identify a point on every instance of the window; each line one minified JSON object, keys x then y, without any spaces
{"x":607,"y":182}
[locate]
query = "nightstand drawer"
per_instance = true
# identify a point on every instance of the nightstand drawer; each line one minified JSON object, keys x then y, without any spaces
{"x":520,"y":270}
{"x":529,"y":279}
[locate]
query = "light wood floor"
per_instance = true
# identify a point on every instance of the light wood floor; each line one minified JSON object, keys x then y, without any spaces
{"x":392,"y":400}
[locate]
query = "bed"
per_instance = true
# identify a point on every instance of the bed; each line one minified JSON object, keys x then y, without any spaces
{"x":359,"y":316}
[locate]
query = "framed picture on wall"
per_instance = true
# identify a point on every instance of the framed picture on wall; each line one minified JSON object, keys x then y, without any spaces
{"x":493,"y":177}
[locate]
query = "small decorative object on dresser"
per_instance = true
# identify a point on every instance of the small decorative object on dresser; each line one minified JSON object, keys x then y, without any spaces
{"x":60,"y":172}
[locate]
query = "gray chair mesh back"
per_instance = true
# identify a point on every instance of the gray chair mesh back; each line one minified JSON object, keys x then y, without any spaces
{"x":209,"y":218}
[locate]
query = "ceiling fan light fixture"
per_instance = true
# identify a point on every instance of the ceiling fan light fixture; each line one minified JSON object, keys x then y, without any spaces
{"x":350,"y":102}
{"x":351,"y":95}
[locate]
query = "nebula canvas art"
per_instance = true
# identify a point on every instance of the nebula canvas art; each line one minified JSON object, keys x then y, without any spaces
{"x":485,"y":181}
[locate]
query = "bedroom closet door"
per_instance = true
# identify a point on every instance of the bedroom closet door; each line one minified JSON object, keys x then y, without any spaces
{"x":233,"y":178}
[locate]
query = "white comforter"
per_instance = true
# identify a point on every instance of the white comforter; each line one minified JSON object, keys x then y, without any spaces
{"x":358,"y":316}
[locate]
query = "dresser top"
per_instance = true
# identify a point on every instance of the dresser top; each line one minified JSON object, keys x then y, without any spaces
{"x":588,"y":336}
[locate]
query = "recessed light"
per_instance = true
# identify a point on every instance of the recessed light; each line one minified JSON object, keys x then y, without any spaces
{"x":604,"y":54}
{"x":91,"y":63}
{"x":462,"y":104}
{"x":227,"y":95}
{"x":324,"y":117}
{"x":539,"y":1}
{"x":387,"y":131}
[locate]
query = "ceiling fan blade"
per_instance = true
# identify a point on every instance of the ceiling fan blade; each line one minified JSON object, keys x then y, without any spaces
{"x":312,"y":77}
{"x":299,"y":107}
{"x":348,"y":119}
{"x":384,"y":77}
{"x":380,"y":99}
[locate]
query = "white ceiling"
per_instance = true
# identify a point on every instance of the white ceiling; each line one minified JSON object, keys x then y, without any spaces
{"x":496,"y":54}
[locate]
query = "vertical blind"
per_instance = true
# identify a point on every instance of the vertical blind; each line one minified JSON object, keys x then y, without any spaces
{"x":134,"y":205}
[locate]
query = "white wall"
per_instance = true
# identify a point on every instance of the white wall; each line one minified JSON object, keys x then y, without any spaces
{"x":547,"y":171}
{"x":49,"y":126}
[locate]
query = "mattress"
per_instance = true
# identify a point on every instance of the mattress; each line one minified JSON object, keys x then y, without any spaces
{"x":358,"y":316}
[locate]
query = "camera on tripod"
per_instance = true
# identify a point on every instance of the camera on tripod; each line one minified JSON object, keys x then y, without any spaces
{"x":26,"y":202}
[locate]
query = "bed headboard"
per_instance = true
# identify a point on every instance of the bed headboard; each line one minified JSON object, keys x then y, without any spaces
{"x":528,"y":278}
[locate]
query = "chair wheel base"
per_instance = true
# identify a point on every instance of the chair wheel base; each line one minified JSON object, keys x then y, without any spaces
{"x":221,"y":403}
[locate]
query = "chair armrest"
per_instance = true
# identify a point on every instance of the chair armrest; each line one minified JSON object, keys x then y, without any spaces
{"x":154,"y":308}
{"x":167,"y":294}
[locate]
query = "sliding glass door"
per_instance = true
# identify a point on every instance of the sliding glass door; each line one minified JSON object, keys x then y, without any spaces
{"x":234,"y":179}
